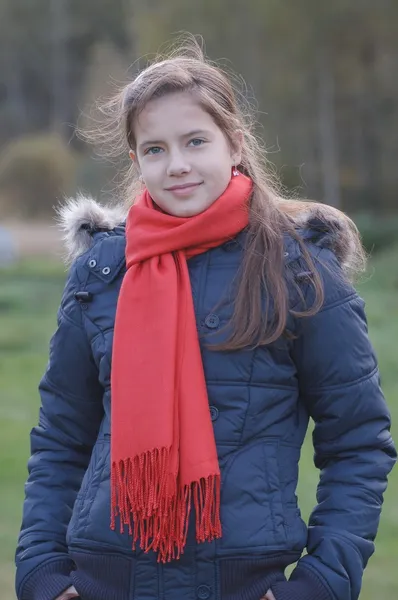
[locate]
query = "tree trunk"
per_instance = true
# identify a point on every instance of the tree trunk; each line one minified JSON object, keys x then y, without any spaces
{"x":60,"y":95}
{"x":327,"y":131}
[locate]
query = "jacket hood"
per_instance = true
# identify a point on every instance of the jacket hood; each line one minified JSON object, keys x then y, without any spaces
{"x":321,"y":224}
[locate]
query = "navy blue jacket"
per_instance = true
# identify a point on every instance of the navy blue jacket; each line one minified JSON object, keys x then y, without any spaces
{"x":260,"y":402}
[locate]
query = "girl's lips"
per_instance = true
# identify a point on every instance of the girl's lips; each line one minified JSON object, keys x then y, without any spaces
{"x":184,"y":190}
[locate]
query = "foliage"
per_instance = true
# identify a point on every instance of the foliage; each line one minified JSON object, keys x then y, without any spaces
{"x":34,"y":172}
{"x":377,"y":232}
{"x":45,"y":49}
{"x":321,"y":72}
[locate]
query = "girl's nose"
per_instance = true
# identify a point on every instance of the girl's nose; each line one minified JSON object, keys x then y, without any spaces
{"x":177,"y":165}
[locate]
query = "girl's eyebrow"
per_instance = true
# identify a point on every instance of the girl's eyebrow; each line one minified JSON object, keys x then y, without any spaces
{"x":196,"y":132}
{"x":185,"y":135}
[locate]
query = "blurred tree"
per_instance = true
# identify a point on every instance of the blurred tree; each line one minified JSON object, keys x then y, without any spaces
{"x":45,"y":49}
{"x":321,"y":72}
{"x":339,"y":51}
{"x":35,"y":171}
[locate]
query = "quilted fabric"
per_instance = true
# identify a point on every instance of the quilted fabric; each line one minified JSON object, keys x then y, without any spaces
{"x":260,"y":402}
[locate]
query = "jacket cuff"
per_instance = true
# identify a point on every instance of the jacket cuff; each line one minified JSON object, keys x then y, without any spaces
{"x":47,"y":582}
{"x":302,"y":585}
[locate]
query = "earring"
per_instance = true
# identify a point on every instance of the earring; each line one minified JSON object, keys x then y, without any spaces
{"x":235,"y":171}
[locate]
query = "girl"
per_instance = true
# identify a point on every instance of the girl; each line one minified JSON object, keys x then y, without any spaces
{"x":229,"y":319}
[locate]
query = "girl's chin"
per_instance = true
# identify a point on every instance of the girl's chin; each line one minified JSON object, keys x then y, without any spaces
{"x":185,"y":208}
{"x":188,"y":211}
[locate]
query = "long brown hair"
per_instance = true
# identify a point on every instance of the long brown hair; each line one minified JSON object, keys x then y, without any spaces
{"x":185,"y":69}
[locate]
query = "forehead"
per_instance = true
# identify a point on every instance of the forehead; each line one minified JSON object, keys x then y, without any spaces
{"x":172,"y":115}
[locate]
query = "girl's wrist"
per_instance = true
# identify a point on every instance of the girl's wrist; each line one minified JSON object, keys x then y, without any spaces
{"x":68,"y":594}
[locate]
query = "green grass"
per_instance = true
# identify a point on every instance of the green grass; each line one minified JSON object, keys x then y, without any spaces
{"x":29,"y":297}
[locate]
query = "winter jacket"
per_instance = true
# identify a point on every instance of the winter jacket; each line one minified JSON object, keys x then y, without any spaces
{"x":260,"y":402}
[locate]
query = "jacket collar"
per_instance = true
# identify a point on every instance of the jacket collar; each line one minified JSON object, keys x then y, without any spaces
{"x":82,"y":217}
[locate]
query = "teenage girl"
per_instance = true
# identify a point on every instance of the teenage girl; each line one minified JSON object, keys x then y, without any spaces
{"x":196,"y":337}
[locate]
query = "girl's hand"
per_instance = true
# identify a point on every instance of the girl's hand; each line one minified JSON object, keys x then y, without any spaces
{"x":69,"y":593}
{"x":268,"y":596}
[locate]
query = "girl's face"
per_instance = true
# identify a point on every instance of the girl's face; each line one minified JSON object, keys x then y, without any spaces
{"x":184,"y":158}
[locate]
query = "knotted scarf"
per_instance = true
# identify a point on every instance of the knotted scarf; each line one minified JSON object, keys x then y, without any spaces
{"x":163,"y":452}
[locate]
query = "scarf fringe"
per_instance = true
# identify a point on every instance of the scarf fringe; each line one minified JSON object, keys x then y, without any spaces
{"x":146,"y":497}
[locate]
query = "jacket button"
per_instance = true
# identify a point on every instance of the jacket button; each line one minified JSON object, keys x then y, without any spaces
{"x":106,"y":270}
{"x":203,"y":592}
{"x":83,"y":296}
{"x":92,"y":263}
{"x":212,"y":321}
{"x":304,"y":275}
{"x":214,"y":413}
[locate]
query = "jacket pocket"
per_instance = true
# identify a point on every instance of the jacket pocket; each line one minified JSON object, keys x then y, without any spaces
{"x":94,"y":526}
{"x":251,"y":499}
{"x":86,"y":495}
{"x":296,"y":529}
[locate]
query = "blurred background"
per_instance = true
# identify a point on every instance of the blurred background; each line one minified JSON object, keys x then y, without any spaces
{"x":324,"y":79}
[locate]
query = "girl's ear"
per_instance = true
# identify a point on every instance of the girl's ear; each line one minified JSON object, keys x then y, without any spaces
{"x":236,"y":150}
{"x":133,"y":157}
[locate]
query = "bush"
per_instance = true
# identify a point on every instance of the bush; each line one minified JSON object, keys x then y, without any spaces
{"x":35,"y":171}
{"x":377,"y":232}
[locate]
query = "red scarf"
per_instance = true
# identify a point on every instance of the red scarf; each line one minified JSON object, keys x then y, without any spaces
{"x":164,"y":456}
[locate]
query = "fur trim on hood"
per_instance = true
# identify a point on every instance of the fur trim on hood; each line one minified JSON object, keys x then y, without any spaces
{"x":328,"y":227}
{"x":79,"y":217}
{"x":331,"y":228}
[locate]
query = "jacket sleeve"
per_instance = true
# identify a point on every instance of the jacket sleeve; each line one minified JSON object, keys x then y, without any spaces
{"x":339,"y":383}
{"x":70,"y":414}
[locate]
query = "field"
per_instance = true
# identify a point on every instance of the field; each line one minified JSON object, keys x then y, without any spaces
{"x":29,"y":296}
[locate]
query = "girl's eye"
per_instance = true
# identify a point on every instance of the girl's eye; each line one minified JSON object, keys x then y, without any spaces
{"x":197,"y":142}
{"x":153,"y":150}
